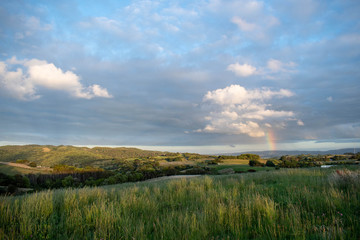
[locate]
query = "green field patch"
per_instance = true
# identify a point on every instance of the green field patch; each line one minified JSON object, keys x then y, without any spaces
{"x":234,"y":161}
{"x":243,"y":168}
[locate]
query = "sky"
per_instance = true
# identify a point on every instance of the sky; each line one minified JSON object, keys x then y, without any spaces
{"x":205,"y":76}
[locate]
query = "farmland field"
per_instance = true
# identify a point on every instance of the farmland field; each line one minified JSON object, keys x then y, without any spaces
{"x":285,"y":204}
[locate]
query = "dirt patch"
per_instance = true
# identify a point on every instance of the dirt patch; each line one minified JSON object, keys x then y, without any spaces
{"x":46,"y":149}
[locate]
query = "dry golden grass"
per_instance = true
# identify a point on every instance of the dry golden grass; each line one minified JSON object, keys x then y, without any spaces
{"x":46,"y":149}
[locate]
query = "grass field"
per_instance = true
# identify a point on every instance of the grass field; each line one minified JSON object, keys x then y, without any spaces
{"x":243,"y":168}
{"x":238,"y":161}
{"x":285,"y":204}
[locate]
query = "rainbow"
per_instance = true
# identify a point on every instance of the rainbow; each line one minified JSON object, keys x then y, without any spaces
{"x":270,"y":137}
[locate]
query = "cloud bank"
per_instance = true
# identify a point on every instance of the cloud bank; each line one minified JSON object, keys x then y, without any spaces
{"x":237,"y":110}
{"x":30,"y":75}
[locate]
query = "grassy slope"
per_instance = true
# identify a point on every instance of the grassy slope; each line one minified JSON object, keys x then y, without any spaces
{"x":11,"y":170}
{"x":70,"y":155}
{"x":284,"y":204}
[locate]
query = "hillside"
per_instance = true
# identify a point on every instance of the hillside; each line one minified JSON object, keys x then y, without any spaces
{"x":47,"y":155}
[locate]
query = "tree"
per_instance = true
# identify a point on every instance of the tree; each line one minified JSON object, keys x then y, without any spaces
{"x":270,"y":163}
{"x":110,"y":180}
{"x":254,"y":163}
{"x":22,"y":181}
{"x":68,"y":181}
{"x":249,"y":156}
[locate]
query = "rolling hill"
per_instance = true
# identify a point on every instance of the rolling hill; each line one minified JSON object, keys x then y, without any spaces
{"x":47,"y":155}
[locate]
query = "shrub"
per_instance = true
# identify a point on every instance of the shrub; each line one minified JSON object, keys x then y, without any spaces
{"x":12,"y":188}
{"x":23,"y":161}
{"x":270,"y":163}
{"x":21,"y":181}
{"x":254,"y":163}
{"x":110,"y":180}
{"x":121,"y":178}
{"x":249,"y":156}
{"x":68,"y":181}
{"x":251,"y":170}
{"x":289,"y":163}
{"x":134,"y":177}
{"x":33,"y":164}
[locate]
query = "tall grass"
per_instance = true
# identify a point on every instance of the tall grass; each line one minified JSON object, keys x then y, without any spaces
{"x":285,"y":204}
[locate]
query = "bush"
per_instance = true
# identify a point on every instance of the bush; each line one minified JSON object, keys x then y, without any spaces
{"x":68,"y":181}
{"x":33,"y":164}
{"x":12,"y":188}
{"x":249,"y":156}
{"x":21,"y":181}
{"x":121,"y":178}
{"x":254,"y":163}
{"x":23,"y":161}
{"x":110,"y":180}
{"x":270,"y":163}
{"x":289,"y":163}
{"x":134,"y":177}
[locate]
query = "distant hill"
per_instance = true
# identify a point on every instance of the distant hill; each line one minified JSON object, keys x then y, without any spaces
{"x":279,"y":153}
{"x":48,"y":155}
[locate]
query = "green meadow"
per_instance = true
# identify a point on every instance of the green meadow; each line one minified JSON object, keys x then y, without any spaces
{"x":309,"y":203}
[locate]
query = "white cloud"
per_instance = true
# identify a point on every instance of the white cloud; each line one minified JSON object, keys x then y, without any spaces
{"x":15,"y":85}
{"x":329,"y":99}
{"x":300,"y":123}
{"x":98,"y":91}
{"x":236,"y":94}
{"x":23,"y":82}
{"x":277,"y":66}
{"x":237,"y":110}
{"x":274,"y":69}
{"x":243,"y":70}
{"x":243,"y":25}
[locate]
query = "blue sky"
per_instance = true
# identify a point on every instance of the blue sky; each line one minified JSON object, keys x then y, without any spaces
{"x":200,"y":76}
